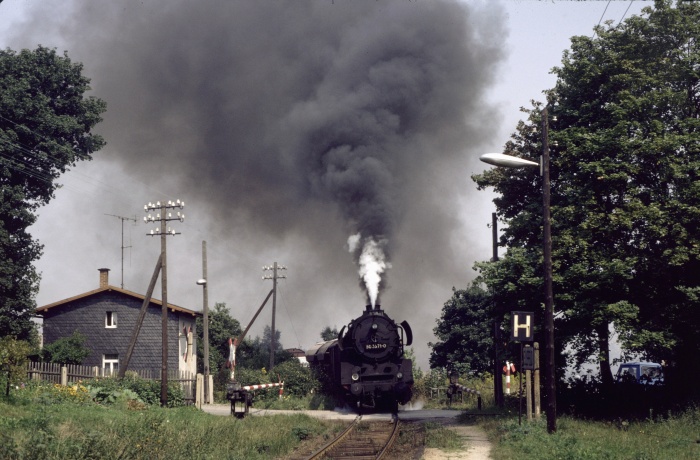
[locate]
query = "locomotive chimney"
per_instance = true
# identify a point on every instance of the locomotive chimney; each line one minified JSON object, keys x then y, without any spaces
{"x":368,"y":308}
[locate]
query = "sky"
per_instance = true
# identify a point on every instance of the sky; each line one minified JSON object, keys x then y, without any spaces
{"x":288,"y":127}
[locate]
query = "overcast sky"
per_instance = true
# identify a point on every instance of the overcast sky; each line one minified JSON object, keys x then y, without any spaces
{"x":286,"y":127}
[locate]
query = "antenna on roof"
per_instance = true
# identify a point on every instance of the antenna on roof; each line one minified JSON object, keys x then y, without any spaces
{"x":123,"y":247}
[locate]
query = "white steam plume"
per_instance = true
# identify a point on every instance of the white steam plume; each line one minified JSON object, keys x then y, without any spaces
{"x":372,"y":263}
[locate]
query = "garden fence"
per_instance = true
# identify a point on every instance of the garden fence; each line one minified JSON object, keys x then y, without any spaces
{"x":63,"y":374}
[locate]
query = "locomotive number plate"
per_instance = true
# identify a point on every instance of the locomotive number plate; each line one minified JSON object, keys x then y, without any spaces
{"x":375,"y":346}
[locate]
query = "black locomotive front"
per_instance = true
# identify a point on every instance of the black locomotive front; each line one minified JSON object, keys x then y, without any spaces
{"x":366,"y":362}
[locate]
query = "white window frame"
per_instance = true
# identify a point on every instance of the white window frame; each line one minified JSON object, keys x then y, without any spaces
{"x":111,"y":320}
{"x":110,"y":363}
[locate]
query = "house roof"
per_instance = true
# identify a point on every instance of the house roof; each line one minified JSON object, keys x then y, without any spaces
{"x":296,"y":352}
{"x":108,"y":288}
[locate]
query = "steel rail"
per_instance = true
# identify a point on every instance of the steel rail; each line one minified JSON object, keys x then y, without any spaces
{"x":392,"y":438}
{"x":319,"y":454}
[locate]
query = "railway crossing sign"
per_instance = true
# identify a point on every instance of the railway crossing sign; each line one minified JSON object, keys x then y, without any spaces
{"x":522,"y":324}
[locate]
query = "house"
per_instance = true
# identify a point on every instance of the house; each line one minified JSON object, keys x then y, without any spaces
{"x":107,"y":316}
{"x":299,"y":354}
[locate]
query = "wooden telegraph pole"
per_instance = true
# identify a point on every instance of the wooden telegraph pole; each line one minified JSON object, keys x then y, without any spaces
{"x":550,"y":374}
{"x":274,"y":277}
{"x":163,"y":232}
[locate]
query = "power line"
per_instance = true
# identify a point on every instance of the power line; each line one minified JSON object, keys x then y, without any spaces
{"x":628,"y":8}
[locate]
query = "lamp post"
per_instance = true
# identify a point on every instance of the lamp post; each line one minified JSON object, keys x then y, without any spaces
{"x":205,"y":333}
{"x":507,"y":161}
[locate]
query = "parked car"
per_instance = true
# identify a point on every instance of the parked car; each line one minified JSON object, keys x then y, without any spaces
{"x":641,"y":373}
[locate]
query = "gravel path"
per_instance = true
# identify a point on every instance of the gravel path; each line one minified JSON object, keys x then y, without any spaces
{"x":476,"y":445}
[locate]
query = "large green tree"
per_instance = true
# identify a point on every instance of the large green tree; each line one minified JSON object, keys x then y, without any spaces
{"x":45,"y":128}
{"x":625,"y":169}
{"x":464,"y":332}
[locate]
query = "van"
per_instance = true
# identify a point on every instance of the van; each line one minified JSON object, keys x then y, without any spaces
{"x":641,"y":373}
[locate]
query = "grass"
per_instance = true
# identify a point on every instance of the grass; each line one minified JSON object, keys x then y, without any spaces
{"x":676,"y":437}
{"x":437,"y":435}
{"x":77,"y":429}
{"x":53,"y":422}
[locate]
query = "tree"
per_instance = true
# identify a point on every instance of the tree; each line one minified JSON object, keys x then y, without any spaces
{"x":255,"y":354}
{"x":222,"y":326}
{"x":45,"y":128}
{"x":329,"y":334}
{"x":625,"y":174}
{"x":464,"y":332}
{"x":13,"y":359}
{"x":67,"y":350}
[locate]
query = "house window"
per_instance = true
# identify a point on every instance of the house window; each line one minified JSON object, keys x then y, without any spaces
{"x":110,"y":363}
{"x":111,"y":319}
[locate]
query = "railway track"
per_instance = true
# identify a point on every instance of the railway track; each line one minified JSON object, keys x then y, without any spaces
{"x":361,"y":441}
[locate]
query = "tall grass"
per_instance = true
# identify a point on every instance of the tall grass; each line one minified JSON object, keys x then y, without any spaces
{"x":675,"y":437}
{"x":68,"y":427}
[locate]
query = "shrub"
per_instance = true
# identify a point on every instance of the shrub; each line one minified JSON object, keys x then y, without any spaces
{"x":298,"y":380}
{"x":67,"y":350}
{"x":13,"y":356}
{"x":110,"y":390}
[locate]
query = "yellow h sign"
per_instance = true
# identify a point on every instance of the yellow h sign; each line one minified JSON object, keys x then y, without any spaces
{"x":521,"y":325}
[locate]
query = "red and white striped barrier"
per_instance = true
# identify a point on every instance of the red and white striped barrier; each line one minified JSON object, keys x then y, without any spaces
{"x":265,"y":385}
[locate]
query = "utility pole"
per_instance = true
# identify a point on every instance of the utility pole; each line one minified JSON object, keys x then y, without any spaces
{"x":497,"y":379}
{"x":123,"y":247}
{"x":550,"y":377}
{"x":163,"y":232}
{"x":274,"y":277}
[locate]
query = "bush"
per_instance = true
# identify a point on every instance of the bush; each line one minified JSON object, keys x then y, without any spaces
{"x":111,"y":389}
{"x":298,"y":380}
{"x":67,"y":350}
{"x":13,"y":356}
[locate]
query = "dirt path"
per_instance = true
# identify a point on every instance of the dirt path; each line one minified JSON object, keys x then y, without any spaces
{"x":476,"y":445}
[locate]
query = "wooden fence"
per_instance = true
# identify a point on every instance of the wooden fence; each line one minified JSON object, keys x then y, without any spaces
{"x":63,"y":374}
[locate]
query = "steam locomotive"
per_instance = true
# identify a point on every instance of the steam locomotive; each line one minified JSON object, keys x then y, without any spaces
{"x":365,"y":365}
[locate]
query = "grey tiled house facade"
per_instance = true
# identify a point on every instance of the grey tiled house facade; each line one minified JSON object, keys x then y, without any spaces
{"x":107,"y":316}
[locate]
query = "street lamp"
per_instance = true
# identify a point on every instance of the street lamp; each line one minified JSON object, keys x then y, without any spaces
{"x":508,"y":161}
{"x":205,"y":332}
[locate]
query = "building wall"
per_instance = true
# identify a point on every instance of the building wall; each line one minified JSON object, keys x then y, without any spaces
{"x":87,"y":315}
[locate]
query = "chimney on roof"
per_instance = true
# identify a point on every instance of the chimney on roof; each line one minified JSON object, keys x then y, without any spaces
{"x":104,"y":277}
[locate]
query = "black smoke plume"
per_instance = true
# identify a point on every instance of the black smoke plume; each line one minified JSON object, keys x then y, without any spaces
{"x":301,"y":123}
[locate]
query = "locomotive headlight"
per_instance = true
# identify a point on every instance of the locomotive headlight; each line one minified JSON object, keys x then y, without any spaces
{"x":374,"y":327}
{"x":355,"y":376}
{"x":399,"y":375}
